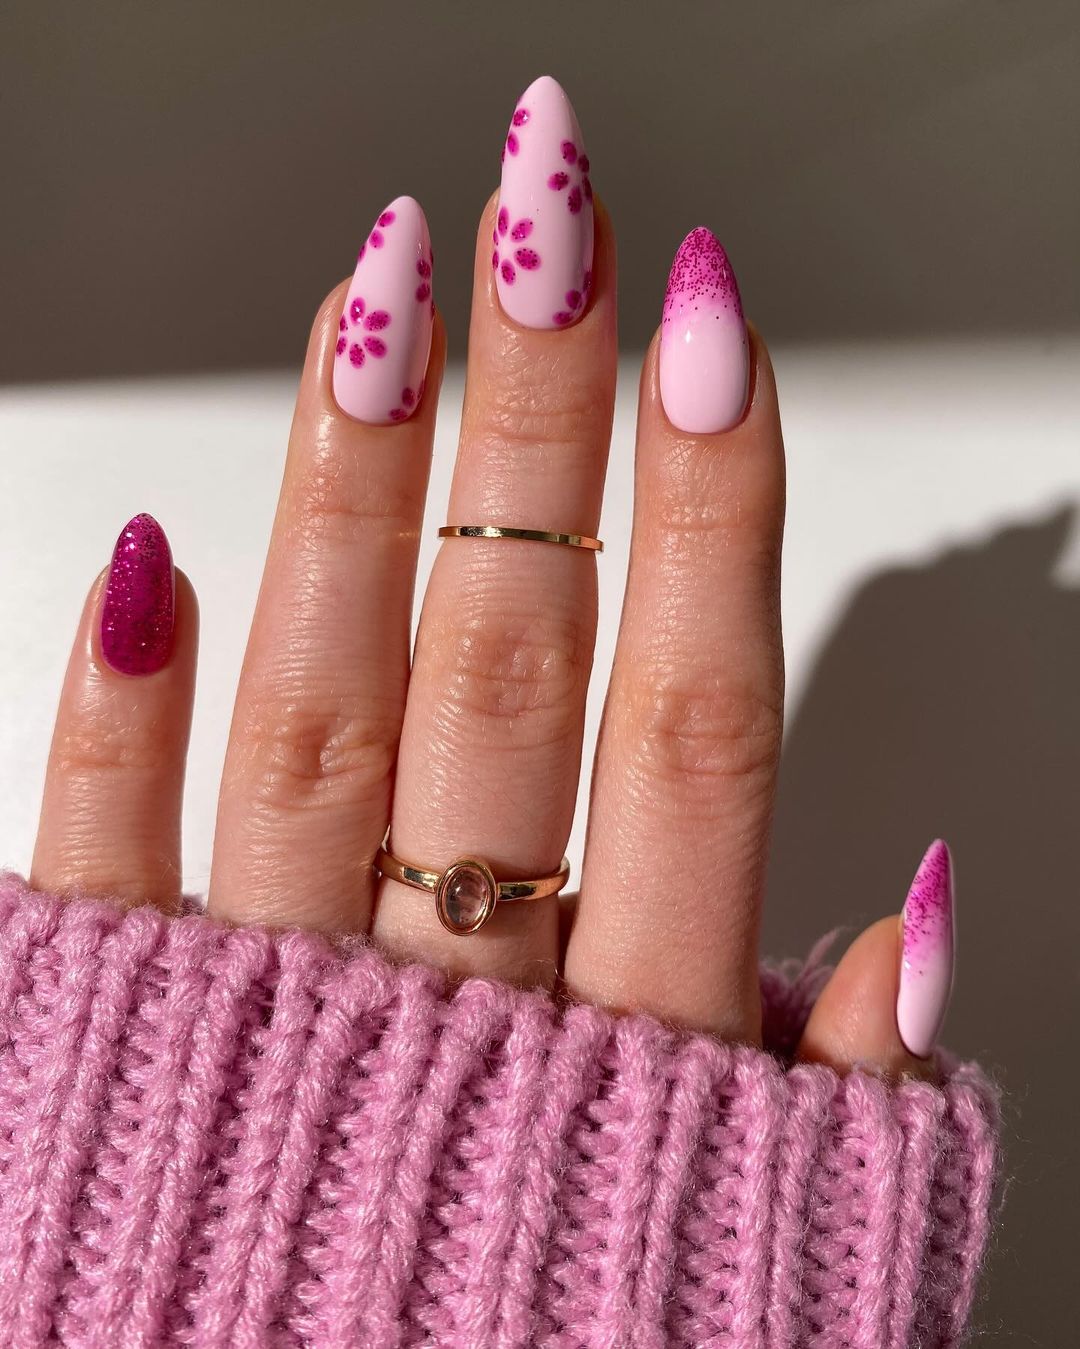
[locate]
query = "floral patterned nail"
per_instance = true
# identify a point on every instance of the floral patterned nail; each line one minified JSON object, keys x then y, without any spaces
{"x":542,"y":244}
{"x":384,"y":333}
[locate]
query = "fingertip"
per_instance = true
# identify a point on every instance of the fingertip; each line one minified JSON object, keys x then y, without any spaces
{"x":853,"y":1023}
{"x":186,"y":632}
{"x":606,"y":244}
{"x":324,"y":326}
{"x":185,"y":588}
{"x":762,"y":400}
{"x":437,"y":358}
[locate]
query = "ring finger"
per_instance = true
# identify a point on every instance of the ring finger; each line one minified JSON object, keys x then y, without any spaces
{"x":491,"y":744}
{"x":674,"y":868}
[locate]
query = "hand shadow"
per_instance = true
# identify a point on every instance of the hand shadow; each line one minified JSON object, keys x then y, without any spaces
{"x":947,"y":703}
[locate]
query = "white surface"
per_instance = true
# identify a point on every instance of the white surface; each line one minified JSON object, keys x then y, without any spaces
{"x":894,"y":452}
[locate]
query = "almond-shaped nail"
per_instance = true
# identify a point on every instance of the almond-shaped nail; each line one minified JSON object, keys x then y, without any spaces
{"x":704,"y":354}
{"x":137,"y":610}
{"x":384,"y":333}
{"x":542,"y":245}
{"x":926,"y":964}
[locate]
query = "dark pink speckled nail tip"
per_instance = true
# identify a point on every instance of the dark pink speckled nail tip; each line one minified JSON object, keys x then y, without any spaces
{"x":137,"y":613}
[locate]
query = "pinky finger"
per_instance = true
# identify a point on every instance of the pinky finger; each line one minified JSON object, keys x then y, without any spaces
{"x":110,"y":816}
{"x":885,"y":1004}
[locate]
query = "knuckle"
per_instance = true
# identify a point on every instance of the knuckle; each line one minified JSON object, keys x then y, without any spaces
{"x":305,"y":754}
{"x":337,"y":500}
{"x":539,"y":402}
{"x":707,"y":730}
{"x":702,"y":492}
{"x":103,"y":748}
{"x":516,"y":678}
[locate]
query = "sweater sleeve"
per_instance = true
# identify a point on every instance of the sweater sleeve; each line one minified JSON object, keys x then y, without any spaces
{"x":229,"y":1136}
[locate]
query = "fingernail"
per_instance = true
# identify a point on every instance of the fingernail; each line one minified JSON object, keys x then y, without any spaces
{"x":384,"y":333}
{"x":137,"y":612}
{"x":704,"y":356}
{"x":543,"y":239}
{"x":926,"y":966}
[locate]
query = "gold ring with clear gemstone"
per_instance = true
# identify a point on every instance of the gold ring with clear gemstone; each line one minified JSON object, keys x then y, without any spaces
{"x":467,"y":892}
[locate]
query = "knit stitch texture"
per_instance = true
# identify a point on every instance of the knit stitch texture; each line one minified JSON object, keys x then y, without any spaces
{"x":214,"y":1136}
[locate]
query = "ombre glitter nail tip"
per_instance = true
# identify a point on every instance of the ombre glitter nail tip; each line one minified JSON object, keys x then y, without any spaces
{"x":704,"y":352}
{"x":927,"y":959}
{"x":137,"y":613}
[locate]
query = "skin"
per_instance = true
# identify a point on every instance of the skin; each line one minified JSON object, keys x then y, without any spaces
{"x":476,"y":747}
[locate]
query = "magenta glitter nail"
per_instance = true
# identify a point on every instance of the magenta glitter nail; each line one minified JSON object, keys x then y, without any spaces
{"x":137,"y":612}
{"x":926,"y":969}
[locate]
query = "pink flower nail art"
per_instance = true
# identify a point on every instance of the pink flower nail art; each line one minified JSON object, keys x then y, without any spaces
{"x":575,"y":182}
{"x":514,"y":253}
{"x":384,"y":333}
{"x":543,"y":236}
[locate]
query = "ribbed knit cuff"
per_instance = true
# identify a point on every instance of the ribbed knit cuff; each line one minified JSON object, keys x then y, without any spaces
{"x":219,"y":1136}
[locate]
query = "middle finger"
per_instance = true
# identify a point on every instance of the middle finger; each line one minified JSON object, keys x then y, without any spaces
{"x":491,"y":743}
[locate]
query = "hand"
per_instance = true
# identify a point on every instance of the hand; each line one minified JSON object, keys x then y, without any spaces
{"x":476,"y":748}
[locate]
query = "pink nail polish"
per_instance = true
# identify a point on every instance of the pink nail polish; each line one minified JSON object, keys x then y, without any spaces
{"x":137,"y":611}
{"x":384,"y":333}
{"x":926,"y":968}
{"x":542,"y":248}
{"x":704,"y":355}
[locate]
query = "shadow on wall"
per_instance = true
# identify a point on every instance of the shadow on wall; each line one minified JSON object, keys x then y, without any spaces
{"x":947,"y":702}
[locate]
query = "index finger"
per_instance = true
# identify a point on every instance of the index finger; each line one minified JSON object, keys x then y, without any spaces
{"x":305,"y":793}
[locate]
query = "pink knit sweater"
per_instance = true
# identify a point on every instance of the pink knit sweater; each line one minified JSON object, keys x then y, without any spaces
{"x":213,"y":1136}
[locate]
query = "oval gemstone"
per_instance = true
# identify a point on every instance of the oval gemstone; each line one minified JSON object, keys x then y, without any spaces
{"x":465,"y":898}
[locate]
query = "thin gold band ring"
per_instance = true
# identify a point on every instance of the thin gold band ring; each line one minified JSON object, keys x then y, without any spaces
{"x":466,"y":892}
{"x":530,"y":535}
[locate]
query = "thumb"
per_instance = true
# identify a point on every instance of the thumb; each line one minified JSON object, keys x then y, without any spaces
{"x":885,"y":1003}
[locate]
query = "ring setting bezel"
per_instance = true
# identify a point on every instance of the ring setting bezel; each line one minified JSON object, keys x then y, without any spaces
{"x":465,"y":868}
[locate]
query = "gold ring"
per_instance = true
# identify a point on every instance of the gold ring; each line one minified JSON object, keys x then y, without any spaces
{"x":466,"y":892}
{"x":531,"y":535}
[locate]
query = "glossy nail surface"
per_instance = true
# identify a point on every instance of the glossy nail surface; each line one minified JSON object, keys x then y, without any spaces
{"x":384,"y":333}
{"x":137,"y":611}
{"x":926,"y":968}
{"x":542,"y":247}
{"x":704,"y":354}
